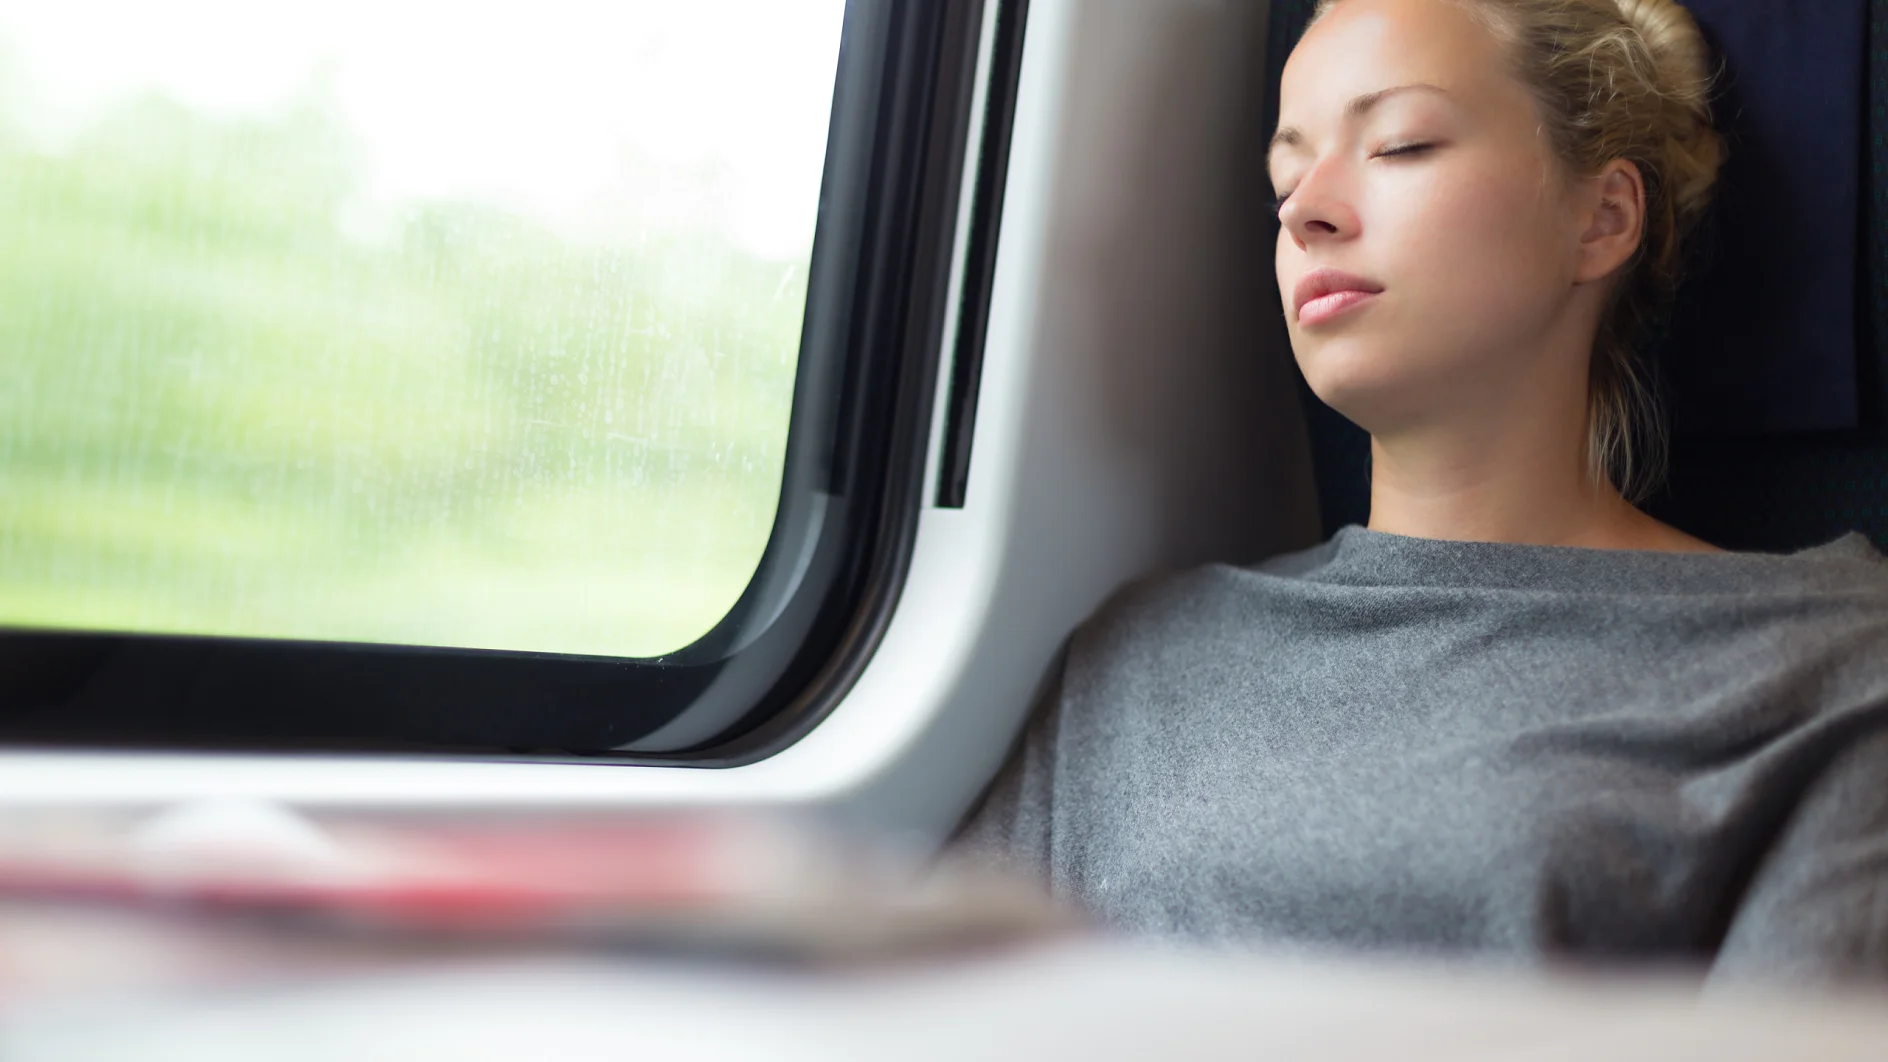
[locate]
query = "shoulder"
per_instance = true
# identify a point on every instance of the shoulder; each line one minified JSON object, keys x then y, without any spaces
{"x":1829,"y":601}
{"x":1848,"y":563}
{"x":1186,"y":618}
{"x":1175,"y":604}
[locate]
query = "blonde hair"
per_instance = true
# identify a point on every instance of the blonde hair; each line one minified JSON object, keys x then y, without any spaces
{"x":1621,"y":79}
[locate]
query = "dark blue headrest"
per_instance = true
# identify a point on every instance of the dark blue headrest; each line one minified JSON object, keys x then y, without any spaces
{"x":1764,"y":336}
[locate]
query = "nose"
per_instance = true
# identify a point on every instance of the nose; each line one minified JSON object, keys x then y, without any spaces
{"x":1318,"y":211}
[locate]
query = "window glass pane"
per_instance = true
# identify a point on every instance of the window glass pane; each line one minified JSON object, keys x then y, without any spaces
{"x":398,"y":321}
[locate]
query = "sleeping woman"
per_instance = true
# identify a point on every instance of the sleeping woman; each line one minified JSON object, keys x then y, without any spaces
{"x":1514,"y":714}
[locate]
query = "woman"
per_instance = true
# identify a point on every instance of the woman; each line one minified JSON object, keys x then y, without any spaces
{"x":1514,"y":714}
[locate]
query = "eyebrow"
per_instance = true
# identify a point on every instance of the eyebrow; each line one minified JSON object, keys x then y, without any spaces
{"x":1356,"y":108}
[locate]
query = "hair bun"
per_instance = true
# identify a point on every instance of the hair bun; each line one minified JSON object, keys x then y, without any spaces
{"x":1683,"y":71}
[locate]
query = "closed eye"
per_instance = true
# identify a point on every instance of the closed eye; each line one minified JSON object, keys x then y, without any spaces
{"x":1399,"y":151}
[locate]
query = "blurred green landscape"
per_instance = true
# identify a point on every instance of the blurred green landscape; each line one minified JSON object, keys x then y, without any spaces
{"x":230,"y":406}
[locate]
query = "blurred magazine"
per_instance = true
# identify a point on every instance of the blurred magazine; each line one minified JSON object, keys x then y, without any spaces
{"x":233,"y":886}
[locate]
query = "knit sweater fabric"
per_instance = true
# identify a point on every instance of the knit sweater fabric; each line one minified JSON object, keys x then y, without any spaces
{"x":1386,"y":742}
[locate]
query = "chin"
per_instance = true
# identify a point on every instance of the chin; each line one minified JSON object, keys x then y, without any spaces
{"x":1360,"y":380}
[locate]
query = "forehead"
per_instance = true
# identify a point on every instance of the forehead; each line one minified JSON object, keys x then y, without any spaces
{"x":1364,"y":46}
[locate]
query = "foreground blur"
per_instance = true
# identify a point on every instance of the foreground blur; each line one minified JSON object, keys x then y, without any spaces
{"x":241,"y":930}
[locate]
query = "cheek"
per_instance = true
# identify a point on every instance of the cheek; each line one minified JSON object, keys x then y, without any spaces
{"x":1476,"y":251}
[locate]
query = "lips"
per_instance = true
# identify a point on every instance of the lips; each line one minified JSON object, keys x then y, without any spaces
{"x":1324,"y":293}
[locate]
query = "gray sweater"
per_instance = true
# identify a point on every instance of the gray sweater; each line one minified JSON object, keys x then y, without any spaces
{"x":1432,"y":746}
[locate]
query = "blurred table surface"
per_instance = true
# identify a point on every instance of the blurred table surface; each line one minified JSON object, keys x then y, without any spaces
{"x":1086,"y":999}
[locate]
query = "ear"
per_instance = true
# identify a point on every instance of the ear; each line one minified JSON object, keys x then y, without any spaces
{"x":1612,"y":220}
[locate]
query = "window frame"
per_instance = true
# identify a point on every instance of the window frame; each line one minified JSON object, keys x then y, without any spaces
{"x":826,"y":583}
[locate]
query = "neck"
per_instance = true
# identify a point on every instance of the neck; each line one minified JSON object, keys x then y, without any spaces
{"x":1523,"y":481}
{"x":1471,"y":493}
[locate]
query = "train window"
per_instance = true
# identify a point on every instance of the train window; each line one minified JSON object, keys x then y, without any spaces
{"x":308,"y":341}
{"x":495,"y":380}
